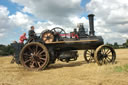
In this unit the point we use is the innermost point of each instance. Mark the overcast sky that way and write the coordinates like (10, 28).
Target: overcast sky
(16, 17)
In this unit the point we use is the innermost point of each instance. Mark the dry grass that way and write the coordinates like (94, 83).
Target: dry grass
(73, 73)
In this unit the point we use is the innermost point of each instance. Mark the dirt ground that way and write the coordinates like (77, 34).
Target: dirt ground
(72, 73)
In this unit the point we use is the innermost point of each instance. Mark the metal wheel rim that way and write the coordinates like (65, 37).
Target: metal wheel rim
(48, 37)
(105, 55)
(34, 57)
(89, 56)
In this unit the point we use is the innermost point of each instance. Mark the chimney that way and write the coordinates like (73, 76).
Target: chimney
(91, 24)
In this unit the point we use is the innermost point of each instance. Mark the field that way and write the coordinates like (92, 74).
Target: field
(72, 73)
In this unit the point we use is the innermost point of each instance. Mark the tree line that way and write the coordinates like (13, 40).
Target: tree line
(6, 50)
(117, 46)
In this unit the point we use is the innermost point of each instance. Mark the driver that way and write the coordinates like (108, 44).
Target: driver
(32, 34)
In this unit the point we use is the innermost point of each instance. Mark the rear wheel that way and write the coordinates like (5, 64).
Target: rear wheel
(89, 56)
(104, 54)
(34, 56)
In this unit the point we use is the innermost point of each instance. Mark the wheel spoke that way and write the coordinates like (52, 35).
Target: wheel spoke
(89, 51)
(50, 40)
(27, 61)
(30, 49)
(25, 54)
(60, 31)
(54, 30)
(92, 51)
(48, 34)
(88, 56)
(38, 53)
(38, 64)
(43, 59)
(36, 48)
(105, 61)
(51, 36)
(41, 52)
(45, 40)
(102, 50)
(108, 58)
(106, 51)
(109, 55)
(32, 65)
(109, 52)
(91, 59)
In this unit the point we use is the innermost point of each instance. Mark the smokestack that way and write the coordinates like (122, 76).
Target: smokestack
(91, 23)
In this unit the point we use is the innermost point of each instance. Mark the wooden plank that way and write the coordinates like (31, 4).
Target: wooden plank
(71, 41)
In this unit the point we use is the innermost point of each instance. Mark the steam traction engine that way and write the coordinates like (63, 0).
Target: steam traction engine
(54, 44)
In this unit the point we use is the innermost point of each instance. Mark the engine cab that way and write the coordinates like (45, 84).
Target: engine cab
(80, 33)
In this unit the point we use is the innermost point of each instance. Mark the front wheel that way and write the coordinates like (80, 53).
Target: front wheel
(89, 56)
(104, 54)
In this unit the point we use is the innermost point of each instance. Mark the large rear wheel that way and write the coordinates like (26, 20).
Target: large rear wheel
(34, 56)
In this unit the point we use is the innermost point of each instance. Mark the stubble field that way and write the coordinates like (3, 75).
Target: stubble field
(72, 73)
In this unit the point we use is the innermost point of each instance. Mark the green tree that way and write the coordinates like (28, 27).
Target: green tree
(116, 46)
(109, 44)
(6, 50)
(126, 44)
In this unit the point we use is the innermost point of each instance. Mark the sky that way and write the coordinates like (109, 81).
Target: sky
(110, 21)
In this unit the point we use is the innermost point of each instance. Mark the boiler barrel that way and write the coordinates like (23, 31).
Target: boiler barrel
(86, 43)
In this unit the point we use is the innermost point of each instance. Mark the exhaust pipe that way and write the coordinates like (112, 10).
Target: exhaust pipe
(91, 24)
